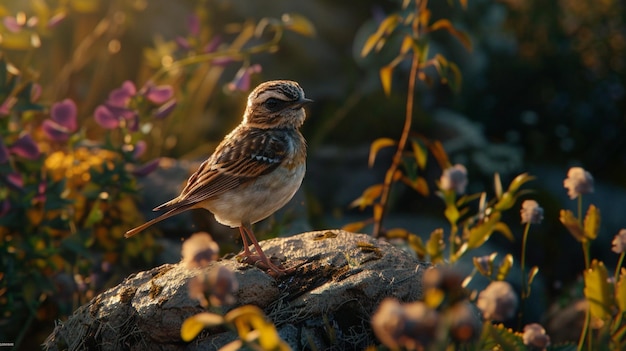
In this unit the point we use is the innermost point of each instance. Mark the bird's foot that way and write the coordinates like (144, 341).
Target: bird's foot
(264, 263)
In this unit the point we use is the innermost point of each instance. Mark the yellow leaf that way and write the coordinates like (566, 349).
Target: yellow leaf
(420, 154)
(407, 44)
(592, 222)
(505, 230)
(481, 232)
(232, 346)
(193, 325)
(519, 181)
(497, 185)
(506, 201)
(416, 243)
(419, 185)
(505, 267)
(463, 4)
(620, 291)
(452, 214)
(376, 146)
(354, 227)
(378, 212)
(385, 27)
(385, 78)
(367, 198)
(573, 225)
(445, 24)
(397, 233)
(435, 246)
(299, 24)
(531, 277)
(598, 290)
(436, 148)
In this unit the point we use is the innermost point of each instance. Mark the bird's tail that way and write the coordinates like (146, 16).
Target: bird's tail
(165, 215)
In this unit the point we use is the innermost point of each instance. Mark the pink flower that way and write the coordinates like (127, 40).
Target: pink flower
(578, 182)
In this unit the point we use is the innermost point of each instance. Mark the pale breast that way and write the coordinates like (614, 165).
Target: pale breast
(259, 199)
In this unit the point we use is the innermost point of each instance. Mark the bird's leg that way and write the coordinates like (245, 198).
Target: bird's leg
(259, 259)
(246, 249)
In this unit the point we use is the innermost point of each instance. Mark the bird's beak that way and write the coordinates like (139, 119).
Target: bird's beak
(301, 103)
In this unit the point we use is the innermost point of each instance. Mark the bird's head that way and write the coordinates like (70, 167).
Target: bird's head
(276, 104)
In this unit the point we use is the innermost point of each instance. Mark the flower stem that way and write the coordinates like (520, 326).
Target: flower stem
(408, 119)
(524, 294)
(620, 261)
(583, 332)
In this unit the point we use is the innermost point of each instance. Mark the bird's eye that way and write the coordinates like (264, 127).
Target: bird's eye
(273, 104)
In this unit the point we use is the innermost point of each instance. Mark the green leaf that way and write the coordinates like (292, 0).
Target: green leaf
(592, 222)
(498, 337)
(376, 146)
(573, 225)
(598, 290)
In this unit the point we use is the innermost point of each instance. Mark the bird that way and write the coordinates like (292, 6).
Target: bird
(254, 171)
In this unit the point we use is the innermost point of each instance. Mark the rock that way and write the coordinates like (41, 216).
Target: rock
(325, 303)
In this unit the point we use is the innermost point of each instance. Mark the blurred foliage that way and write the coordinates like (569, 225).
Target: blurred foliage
(75, 134)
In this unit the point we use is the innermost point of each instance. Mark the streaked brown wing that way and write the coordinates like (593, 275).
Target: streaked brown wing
(234, 162)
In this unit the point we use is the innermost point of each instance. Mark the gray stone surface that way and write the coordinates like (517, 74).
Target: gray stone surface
(337, 281)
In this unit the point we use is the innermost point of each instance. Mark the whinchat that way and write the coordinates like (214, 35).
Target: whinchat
(254, 171)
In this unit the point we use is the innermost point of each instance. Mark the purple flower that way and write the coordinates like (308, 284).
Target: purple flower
(165, 109)
(7, 105)
(213, 44)
(56, 19)
(147, 168)
(105, 118)
(15, 179)
(35, 92)
(139, 149)
(454, 178)
(183, 43)
(25, 147)
(121, 96)
(62, 121)
(5, 207)
(241, 81)
(157, 94)
(19, 22)
(193, 25)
